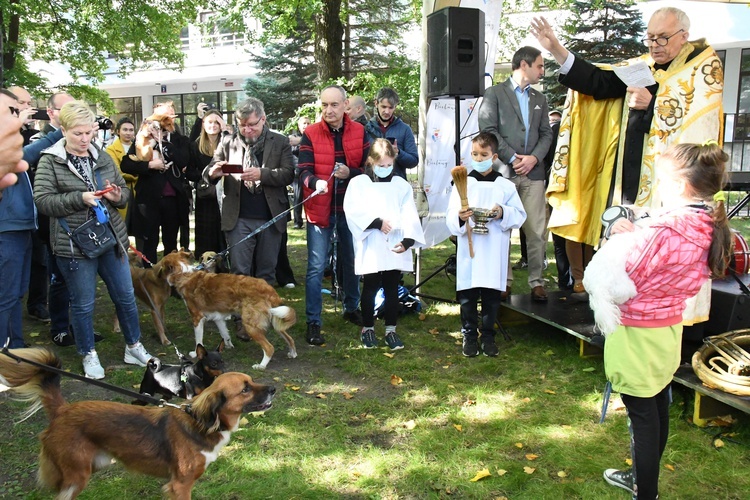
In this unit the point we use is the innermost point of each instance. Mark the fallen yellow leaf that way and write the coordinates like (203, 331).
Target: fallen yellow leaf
(354, 389)
(136, 386)
(519, 445)
(321, 396)
(276, 379)
(369, 416)
(629, 461)
(34, 334)
(309, 392)
(526, 400)
(388, 354)
(501, 472)
(549, 392)
(549, 353)
(481, 475)
(562, 473)
(395, 380)
(422, 316)
(669, 467)
(451, 386)
(295, 388)
(348, 396)
(529, 470)
(243, 421)
(458, 427)
(718, 443)
(446, 366)
(501, 498)
(531, 456)
(411, 424)
(434, 331)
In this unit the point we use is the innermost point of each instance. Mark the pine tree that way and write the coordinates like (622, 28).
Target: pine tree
(601, 32)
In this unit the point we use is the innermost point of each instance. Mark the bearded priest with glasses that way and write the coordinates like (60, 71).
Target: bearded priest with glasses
(611, 134)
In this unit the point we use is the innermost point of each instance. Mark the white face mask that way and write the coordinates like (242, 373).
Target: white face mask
(481, 166)
(382, 171)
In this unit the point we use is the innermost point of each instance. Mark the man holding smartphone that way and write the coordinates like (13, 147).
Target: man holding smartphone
(385, 124)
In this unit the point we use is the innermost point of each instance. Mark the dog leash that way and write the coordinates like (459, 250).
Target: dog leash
(140, 255)
(264, 226)
(148, 295)
(127, 392)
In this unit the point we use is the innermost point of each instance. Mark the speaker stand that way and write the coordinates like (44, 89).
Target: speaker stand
(457, 115)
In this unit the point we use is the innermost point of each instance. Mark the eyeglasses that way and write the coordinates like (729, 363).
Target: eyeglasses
(15, 111)
(661, 41)
(247, 125)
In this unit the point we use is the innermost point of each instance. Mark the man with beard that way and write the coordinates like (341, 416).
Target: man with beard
(385, 124)
(257, 194)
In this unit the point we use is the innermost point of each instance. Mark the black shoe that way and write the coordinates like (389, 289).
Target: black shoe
(354, 316)
(620, 478)
(40, 313)
(299, 226)
(489, 348)
(98, 337)
(597, 340)
(313, 334)
(63, 339)
(470, 347)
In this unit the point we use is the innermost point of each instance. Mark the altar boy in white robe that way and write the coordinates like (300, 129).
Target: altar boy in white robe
(382, 217)
(483, 275)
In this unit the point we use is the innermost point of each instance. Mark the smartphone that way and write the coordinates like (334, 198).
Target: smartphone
(392, 140)
(104, 191)
(231, 168)
(41, 114)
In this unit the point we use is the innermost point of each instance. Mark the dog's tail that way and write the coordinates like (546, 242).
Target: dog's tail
(282, 318)
(32, 383)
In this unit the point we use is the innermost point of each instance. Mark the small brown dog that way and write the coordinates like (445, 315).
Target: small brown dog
(216, 296)
(160, 122)
(167, 442)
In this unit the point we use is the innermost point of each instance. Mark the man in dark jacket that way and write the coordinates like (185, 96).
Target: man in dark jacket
(385, 124)
(257, 194)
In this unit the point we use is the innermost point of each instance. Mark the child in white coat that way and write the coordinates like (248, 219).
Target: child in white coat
(384, 223)
(485, 274)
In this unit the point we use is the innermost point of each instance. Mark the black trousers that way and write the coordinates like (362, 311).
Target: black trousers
(648, 420)
(169, 220)
(372, 282)
(468, 300)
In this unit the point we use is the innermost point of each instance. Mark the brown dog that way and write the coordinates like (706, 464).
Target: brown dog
(161, 122)
(164, 442)
(216, 296)
(152, 289)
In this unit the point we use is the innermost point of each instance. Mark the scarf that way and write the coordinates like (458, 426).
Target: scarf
(252, 151)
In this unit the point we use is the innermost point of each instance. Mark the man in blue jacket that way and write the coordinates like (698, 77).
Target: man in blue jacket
(17, 221)
(386, 125)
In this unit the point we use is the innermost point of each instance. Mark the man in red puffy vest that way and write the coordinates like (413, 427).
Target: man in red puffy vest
(331, 152)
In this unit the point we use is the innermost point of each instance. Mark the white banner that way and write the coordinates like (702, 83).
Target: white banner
(440, 136)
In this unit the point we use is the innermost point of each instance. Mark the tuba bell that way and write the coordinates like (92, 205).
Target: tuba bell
(723, 362)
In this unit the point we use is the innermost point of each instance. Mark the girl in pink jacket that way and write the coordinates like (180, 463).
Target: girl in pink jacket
(638, 283)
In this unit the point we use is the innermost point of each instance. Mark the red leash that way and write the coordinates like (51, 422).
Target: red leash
(140, 255)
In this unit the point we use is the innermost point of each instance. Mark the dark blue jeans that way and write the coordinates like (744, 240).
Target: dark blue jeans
(15, 268)
(80, 275)
(318, 241)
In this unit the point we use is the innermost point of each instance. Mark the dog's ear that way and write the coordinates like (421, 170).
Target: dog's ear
(220, 349)
(200, 351)
(206, 409)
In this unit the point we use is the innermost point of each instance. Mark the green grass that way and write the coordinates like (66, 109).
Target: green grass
(369, 438)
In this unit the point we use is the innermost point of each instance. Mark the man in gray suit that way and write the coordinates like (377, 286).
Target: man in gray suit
(518, 115)
(256, 194)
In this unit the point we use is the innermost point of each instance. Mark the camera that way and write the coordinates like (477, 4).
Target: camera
(104, 123)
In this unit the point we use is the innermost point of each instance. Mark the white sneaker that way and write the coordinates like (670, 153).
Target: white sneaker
(289, 285)
(136, 355)
(91, 366)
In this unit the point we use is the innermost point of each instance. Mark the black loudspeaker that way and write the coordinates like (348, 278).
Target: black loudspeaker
(730, 307)
(455, 52)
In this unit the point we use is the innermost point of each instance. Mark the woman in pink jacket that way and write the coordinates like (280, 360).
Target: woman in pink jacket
(638, 284)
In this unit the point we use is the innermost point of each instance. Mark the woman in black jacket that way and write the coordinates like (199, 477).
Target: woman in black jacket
(208, 234)
(161, 200)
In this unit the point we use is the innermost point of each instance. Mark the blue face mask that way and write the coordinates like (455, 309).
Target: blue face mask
(481, 166)
(382, 172)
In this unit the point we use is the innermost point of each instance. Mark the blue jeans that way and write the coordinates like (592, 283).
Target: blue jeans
(59, 299)
(15, 268)
(318, 242)
(80, 276)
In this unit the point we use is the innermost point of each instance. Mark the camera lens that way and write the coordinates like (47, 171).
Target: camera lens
(104, 123)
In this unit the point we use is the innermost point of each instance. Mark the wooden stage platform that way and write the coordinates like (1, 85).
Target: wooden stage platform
(576, 319)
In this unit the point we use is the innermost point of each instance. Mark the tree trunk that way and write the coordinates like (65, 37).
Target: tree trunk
(329, 33)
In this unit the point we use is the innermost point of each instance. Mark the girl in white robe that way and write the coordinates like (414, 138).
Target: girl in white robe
(383, 220)
(484, 275)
